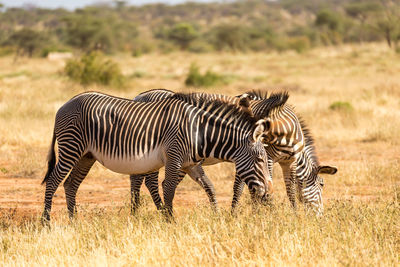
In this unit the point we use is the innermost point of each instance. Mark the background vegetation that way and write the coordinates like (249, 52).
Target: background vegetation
(251, 25)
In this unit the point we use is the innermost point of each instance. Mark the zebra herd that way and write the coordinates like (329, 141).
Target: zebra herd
(183, 132)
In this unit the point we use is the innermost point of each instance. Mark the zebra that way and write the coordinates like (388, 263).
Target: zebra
(300, 169)
(297, 158)
(138, 138)
(308, 184)
(284, 135)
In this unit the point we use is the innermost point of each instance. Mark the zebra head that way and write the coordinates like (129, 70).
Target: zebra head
(310, 188)
(284, 129)
(252, 168)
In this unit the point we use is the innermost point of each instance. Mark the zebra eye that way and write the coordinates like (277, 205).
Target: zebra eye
(321, 182)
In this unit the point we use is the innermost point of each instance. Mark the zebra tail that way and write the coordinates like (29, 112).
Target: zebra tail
(51, 159)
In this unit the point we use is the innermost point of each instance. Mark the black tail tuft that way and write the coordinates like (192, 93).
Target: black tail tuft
(51, 159)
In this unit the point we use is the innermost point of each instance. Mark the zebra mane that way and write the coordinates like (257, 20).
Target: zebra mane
(261, 95)
(309, 141)
(156, 89)
(210, 105)
(267, 101)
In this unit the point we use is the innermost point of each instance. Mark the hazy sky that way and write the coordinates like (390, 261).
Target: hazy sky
(72, 4)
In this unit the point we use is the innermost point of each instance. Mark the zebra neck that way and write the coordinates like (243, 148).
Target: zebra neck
(220, 138)
(305, 165)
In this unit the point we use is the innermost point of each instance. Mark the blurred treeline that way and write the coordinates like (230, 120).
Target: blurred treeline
(252, 25)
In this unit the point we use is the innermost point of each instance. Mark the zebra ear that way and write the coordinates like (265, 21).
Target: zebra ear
(261, 126)
(244, 100)
(244, 103)
(327, 170)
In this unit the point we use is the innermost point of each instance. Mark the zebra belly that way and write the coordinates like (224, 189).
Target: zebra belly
(145, 163)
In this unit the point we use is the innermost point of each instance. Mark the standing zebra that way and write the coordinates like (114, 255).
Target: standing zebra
(291, 145)
(137, 138)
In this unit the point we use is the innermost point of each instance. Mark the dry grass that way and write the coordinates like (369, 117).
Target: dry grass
(351, 233)
(361, 222)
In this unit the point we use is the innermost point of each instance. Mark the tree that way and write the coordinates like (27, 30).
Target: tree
(233, 37)
(330, 24)
(88, 33)
(327, 18)
(182, 34)
(27, 41)
(389, 22)
(362, 11)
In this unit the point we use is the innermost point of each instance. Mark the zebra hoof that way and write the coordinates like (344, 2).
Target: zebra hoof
(45, 220)
(168, 215)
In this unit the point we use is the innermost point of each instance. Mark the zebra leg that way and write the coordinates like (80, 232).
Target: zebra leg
(289, 174)
(151, 182)
(136, 181)
(171, 181)
(198, 175)
(237, 192)
(269, 198)
(75, 179)
(65, 163)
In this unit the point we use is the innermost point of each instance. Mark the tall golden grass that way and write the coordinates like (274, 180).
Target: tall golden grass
(361, 224)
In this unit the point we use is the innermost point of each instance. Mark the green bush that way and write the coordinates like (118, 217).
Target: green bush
(195, 78)
(299, 44)
(94, 68)
(341, 106)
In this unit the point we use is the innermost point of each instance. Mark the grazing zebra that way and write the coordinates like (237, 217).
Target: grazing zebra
(137, 138)
(300, 169)
(295, 153)
(308, 184)
(284, 135)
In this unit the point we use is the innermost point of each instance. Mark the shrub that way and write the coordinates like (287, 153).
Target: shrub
(6, 50)
(299, 44)
(341, 106)
(195, 78)
(230, 37)
(94, 68)
(200, 47)
(141, 47)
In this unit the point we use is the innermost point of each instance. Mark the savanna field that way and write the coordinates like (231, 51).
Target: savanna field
(349, 97)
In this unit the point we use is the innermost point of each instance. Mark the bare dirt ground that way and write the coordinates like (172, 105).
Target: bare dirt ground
(23, 196)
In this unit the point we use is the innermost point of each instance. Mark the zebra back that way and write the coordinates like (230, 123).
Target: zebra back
(284, 132)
